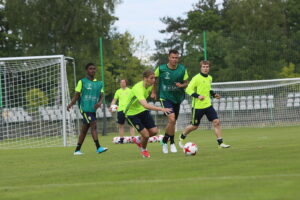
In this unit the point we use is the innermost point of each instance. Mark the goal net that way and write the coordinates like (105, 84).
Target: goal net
(33, 96)
(262, 103)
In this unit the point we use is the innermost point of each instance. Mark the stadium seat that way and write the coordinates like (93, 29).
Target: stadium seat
(229, 103)
(270, 101)
(290, 103)
(222, 105)
(297, 102)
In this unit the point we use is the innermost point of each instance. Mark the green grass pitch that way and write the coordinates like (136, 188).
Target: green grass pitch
(262, 164)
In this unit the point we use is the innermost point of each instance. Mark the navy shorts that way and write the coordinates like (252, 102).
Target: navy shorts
(210, 113)
(141, 121)
(174, 106)
(88, 117)
(121, 117)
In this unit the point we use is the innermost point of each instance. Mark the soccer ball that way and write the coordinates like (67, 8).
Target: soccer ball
(190, 149)
(116, 140)
(114, 108)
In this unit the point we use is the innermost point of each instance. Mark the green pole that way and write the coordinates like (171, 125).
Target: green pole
(0, 92)
(102, 77)
(204, 45)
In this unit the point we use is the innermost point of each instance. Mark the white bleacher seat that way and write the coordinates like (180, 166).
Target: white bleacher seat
(222, 105)
(270, 101)
(157, 104)
(152, 112)
(290, 95)
(263, 104)
(243, 105)
(256, 104)
(297, 102)
(185, 102)
(297, 95)
(289, 103)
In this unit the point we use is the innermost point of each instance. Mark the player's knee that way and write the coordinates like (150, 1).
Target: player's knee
(172, 120)
(194, 127)
(216, 122)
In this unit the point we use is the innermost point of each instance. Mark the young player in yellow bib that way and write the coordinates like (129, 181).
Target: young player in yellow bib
(89, 93)
(172, 78)
(121, 96)
(200, 90)
(137, 111)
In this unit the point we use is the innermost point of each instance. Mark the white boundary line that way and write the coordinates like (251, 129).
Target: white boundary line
(150, 181)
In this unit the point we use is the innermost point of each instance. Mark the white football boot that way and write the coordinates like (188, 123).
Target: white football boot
(224, 145)
(165, 148)
(173, 148)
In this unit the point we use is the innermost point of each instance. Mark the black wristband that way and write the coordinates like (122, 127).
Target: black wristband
(195, 95)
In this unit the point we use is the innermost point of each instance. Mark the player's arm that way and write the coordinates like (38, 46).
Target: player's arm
(185, 81)
(153, 92)
(148, 106)
(214, 94)
(76, 95)
(98, 105)
(191, 88)
(73, 101)
(114, 101)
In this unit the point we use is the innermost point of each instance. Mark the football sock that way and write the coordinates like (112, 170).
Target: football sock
(166, 138)
(78, 147)
(172, 139)
(220, 141)
(97, 143)
(182, 136)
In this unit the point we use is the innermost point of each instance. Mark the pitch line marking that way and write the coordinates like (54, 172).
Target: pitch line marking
(148, 181)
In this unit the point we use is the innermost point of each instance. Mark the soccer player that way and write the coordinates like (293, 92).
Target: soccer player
(138, 114)
(89, 94)
(172, 78)
(200, 90)
(121, 96)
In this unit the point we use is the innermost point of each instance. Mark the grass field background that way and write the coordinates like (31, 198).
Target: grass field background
(262, 164)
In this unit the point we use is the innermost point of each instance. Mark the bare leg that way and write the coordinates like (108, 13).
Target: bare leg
(170, 128)
(144, 138)
(121, 130)
(83, 132)
(153, 131)
(189, 129)
(217, 128)
(93, 125)
(131, 131)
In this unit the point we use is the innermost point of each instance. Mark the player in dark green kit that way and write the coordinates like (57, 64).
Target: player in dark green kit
(200, 90)
(172, 78)
(89, 93)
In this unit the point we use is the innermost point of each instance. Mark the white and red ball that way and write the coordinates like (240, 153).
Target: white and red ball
(190, 149)
(114, 108)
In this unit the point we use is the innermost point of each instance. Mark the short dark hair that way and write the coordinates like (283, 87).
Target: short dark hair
(173, 51)
(147, 73)
(88, 65)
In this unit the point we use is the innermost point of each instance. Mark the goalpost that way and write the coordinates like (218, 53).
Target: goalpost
(260, 103)
(34, 93)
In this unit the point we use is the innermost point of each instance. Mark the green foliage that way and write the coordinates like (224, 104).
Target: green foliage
(35, 98)
(246, 40)
(289, 71)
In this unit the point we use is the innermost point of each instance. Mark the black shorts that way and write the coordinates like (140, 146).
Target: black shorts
(210, 113)
(174, 106)
(141, 121)
(88, 117)
(121, 117)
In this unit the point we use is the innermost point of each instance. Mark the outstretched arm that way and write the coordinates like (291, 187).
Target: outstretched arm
(148, 106)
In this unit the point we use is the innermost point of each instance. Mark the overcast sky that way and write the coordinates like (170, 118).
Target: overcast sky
(142, 17)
